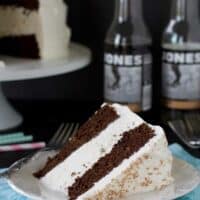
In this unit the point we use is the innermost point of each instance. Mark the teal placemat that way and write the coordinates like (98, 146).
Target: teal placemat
(6, 193)
(179, 152)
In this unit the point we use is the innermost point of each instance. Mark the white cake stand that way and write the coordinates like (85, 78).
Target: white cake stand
(24, 69)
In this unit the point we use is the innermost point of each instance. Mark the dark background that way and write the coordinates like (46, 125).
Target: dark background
(89, 20)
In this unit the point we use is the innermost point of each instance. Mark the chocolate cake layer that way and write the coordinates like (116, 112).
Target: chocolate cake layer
(19, 46)
(28, 4)
(130, 143)
(89, 130)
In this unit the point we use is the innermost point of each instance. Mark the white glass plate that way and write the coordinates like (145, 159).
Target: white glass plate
(186, 179)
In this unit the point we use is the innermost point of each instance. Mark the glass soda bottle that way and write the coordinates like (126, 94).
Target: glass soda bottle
(128, 59)
(181, 60)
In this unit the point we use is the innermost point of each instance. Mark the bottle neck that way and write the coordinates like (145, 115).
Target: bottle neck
(128, 10)
(192, 10)
(186, 10)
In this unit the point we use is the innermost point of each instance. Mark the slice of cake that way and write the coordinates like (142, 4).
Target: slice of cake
(114, 154)
(34, 28)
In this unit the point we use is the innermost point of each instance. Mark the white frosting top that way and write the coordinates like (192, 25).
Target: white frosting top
(88, 154)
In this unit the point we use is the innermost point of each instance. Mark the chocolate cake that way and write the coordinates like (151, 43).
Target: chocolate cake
(114, 154)
(34, 28)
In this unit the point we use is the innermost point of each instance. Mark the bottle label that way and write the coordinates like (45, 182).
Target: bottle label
(181, 78)
(127, 78)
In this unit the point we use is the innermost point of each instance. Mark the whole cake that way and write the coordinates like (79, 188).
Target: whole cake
(34, 28)
(114, 154)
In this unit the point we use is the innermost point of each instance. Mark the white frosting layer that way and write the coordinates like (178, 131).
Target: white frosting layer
(48, 24)
(87, 155)
(55, 33)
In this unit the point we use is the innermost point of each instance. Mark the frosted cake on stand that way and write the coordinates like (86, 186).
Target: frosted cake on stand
(34, 28)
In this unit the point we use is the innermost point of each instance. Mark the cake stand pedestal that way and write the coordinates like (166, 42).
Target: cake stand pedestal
(24, 69)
